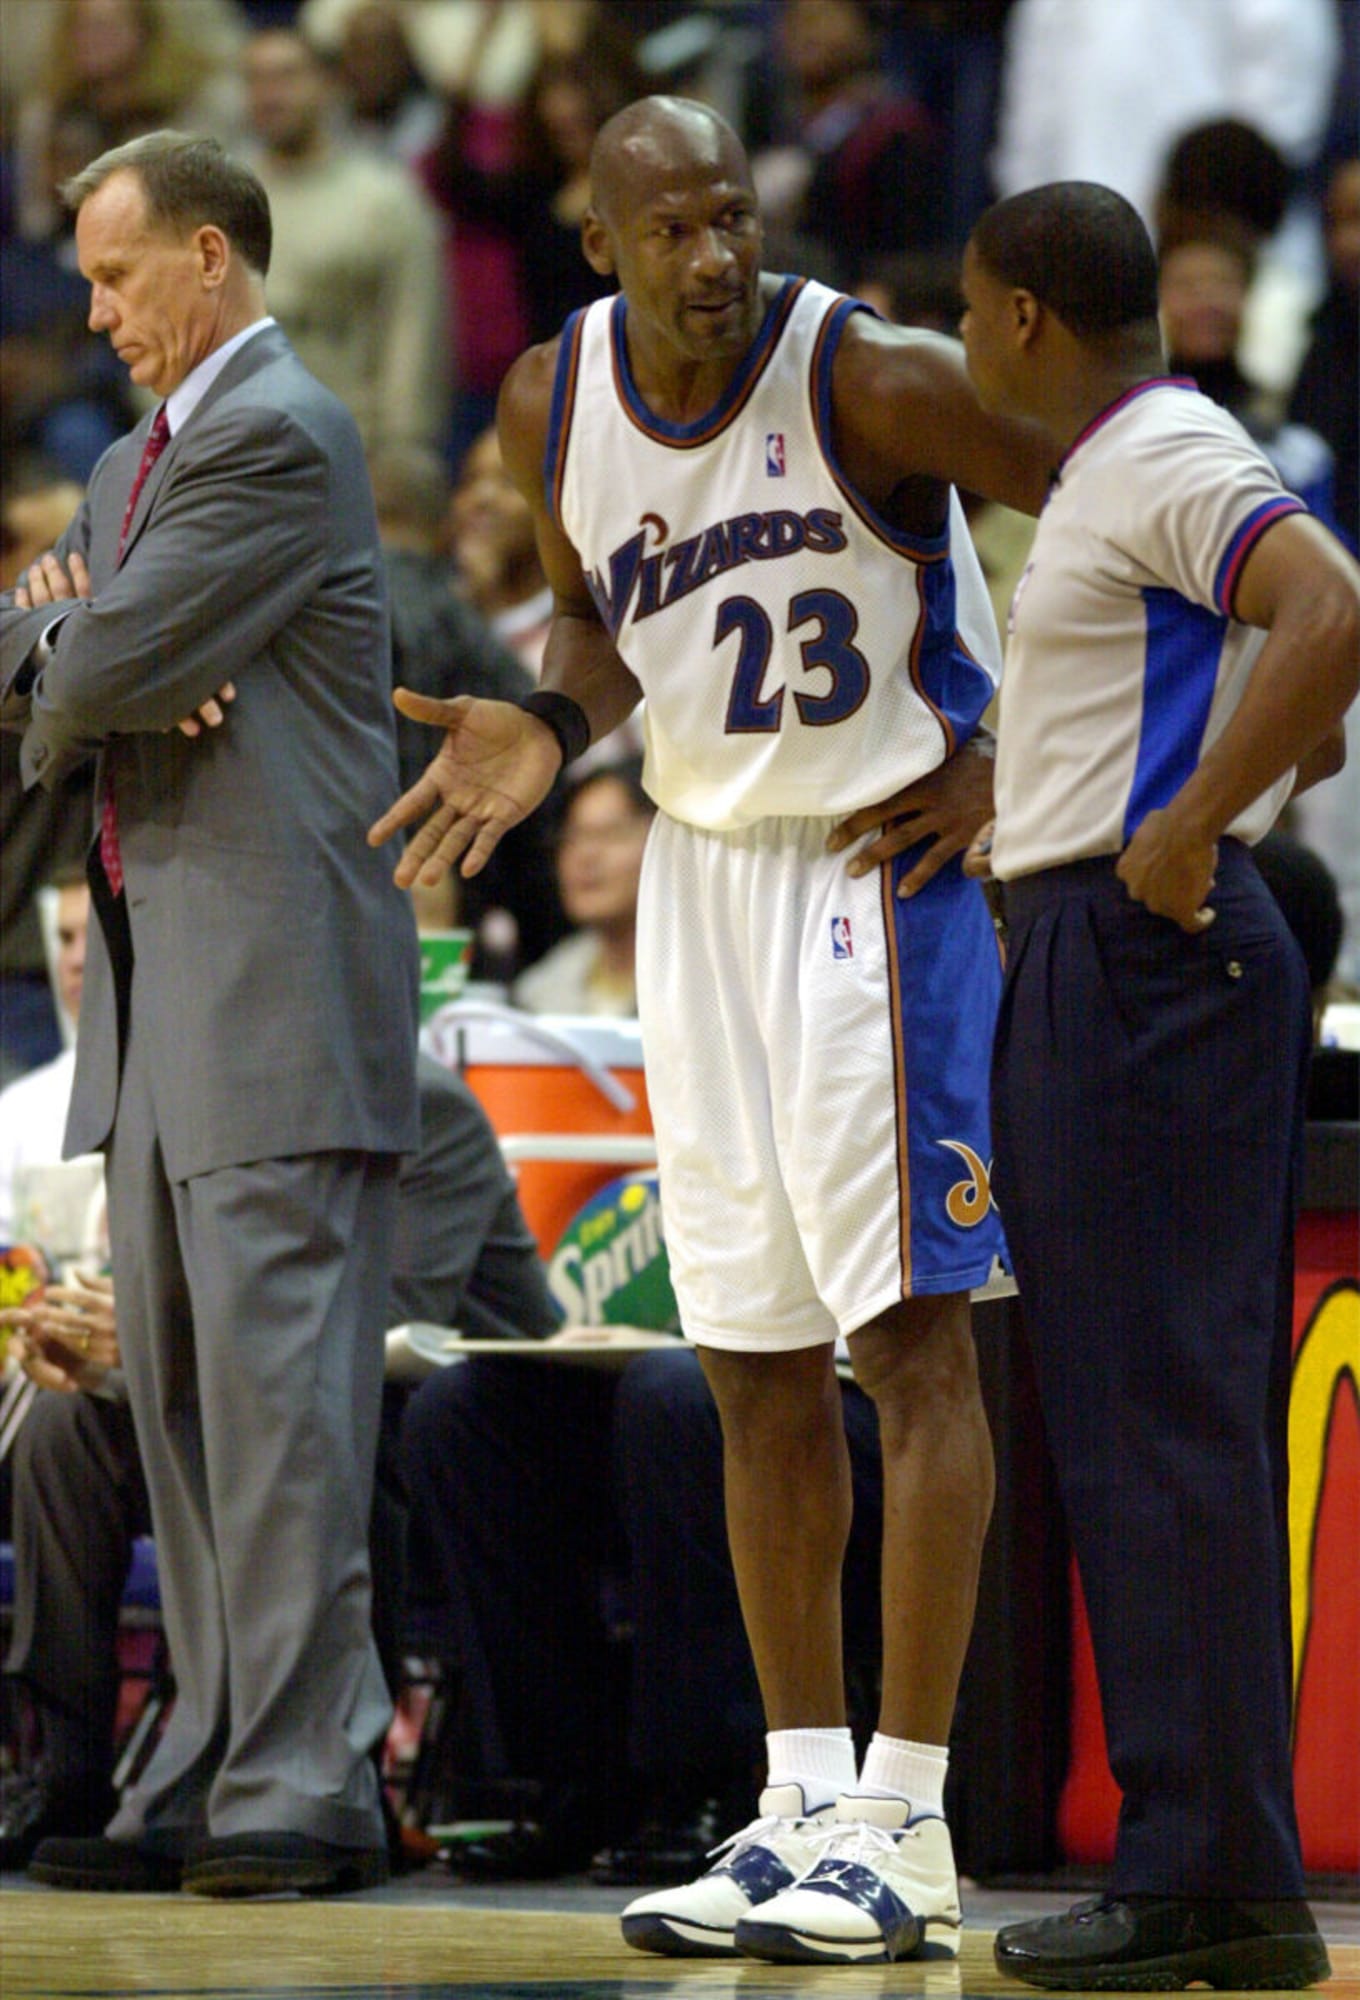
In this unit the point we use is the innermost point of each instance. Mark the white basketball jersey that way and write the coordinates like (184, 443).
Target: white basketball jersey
(797, 654)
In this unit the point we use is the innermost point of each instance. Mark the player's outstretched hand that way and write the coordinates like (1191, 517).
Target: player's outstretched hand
(945, 808)
(496, 763)
(1170, 874)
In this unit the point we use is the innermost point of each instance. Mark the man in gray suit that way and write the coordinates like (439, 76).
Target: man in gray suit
(212, 627)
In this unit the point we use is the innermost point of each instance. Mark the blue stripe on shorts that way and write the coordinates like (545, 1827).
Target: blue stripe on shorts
(947, 983)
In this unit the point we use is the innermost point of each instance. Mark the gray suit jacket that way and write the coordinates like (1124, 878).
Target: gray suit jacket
(270, 959)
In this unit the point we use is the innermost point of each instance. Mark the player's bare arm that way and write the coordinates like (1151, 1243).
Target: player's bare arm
(497, 762)
(1324, 761)
(580, 660)
(1302, 586)
(908, 423)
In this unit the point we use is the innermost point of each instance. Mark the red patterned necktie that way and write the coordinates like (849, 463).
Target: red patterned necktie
(156, 440)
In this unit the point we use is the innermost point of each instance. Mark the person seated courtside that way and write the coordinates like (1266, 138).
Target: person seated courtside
(599, 864)
(463, 1256)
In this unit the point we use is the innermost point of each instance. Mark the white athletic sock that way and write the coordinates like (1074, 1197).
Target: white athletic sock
(895, 1769)
(822, 1761)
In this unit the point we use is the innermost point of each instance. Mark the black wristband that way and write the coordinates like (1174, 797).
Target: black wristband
(566, 718)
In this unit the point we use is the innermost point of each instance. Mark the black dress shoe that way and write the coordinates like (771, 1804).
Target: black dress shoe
(667, 1848)
(278, 1864)
(127, 1867)
(35, 1808)
(1141, 1944)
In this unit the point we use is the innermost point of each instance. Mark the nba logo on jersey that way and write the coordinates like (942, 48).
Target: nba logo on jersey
(841, 945)
(774, 454)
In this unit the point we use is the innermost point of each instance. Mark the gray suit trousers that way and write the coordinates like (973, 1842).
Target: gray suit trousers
(251, 1305)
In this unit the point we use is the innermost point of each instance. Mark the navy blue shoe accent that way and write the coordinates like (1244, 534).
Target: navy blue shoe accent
(760, 1872)
(654, 1931)
(850, 1882)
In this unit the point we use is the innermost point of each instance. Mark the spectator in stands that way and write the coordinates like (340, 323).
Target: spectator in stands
(134, 66)
(33, 1107)
(388, 103)
(79, 1502)
(355, 278)
(463, 1256)
(1305, 889)
(912, 288)
(599, 863)
(953, 57)
(1228, 169)
(1204, 274)
(441, 640)
(74, 1795)
(436, 630)
(540, 195)
(1327, 392)
(865, 171)
(590, 1745)
(485, 53)
(1102, 93)
(496, 554)
(40, 831)
(62, 392)
(1327, 396)
(493, 545)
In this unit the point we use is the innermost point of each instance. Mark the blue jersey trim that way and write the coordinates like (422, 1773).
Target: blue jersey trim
(733, 396)
(957, 687)
(1183, 648)
(559, 414)
(1245, 540)
(919, 548)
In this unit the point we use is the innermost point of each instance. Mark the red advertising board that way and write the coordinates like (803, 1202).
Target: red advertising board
(1324, 1526)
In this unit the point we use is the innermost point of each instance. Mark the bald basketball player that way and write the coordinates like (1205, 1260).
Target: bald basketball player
(742, 489)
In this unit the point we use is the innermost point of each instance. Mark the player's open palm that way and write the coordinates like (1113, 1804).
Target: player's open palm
(495, 764)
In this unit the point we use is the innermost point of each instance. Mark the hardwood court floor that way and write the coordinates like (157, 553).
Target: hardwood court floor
(423, 1943)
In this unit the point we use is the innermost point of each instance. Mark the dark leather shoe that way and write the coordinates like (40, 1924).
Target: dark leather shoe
(1163, 1943)
(278, 1864)
(36, 1809)
(127, 1867)
(665, 1849)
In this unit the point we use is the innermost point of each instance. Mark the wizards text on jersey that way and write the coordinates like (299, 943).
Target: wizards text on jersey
(668, 574)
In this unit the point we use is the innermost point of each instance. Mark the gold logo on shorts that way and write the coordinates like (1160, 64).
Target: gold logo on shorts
(969, 1201)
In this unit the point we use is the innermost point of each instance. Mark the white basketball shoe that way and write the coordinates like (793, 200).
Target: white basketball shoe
(881, 1888)
(698, 1919)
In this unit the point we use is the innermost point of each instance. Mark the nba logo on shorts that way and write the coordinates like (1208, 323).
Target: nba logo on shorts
(841, 945)
(774, 454)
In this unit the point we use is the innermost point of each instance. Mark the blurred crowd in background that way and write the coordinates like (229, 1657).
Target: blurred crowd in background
(427, 167)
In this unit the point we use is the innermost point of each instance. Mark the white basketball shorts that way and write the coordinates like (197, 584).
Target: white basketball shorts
(817, 1055)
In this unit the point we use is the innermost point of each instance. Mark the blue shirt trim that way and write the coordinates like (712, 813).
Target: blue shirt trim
(1183, 649)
